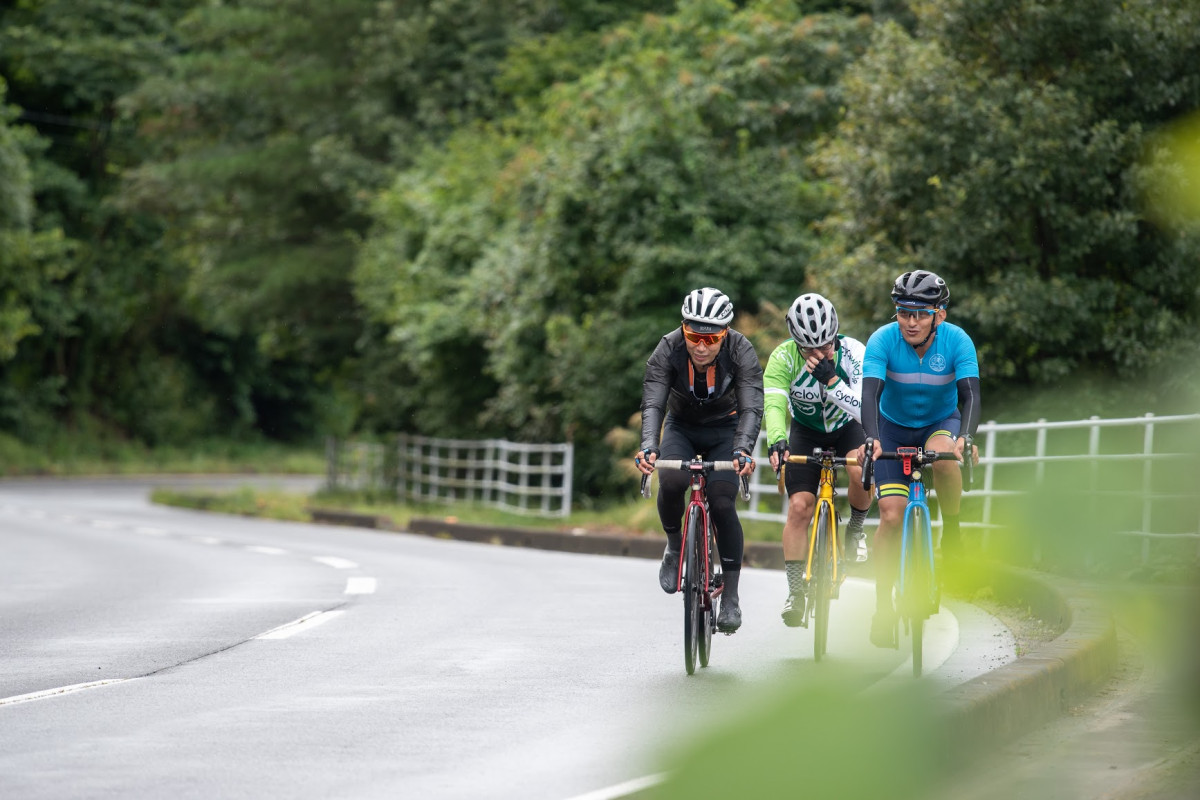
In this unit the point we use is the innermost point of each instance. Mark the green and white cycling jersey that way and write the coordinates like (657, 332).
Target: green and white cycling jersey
(789, 387)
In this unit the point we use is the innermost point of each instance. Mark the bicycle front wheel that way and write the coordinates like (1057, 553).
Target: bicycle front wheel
(918, 591)
(692, 587)
(708, 621)
(821, 587)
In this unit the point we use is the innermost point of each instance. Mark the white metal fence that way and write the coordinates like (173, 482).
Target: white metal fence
(1144, 469)
(1138, 475)
(522, 478)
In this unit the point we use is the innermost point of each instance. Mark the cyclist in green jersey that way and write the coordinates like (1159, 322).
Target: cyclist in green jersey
(815, 378)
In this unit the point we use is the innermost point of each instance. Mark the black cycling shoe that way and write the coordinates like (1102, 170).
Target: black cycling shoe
(884, 631)
(730, 618)
(668, 571)
(793, 611)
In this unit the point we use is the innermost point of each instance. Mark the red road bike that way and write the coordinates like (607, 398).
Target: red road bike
(699, 578)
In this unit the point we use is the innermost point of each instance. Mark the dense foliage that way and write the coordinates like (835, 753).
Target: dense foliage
(285, 218)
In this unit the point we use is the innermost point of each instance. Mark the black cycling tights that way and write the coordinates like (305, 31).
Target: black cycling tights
(673, 489)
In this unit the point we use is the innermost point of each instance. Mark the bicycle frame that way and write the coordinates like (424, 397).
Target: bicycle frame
(825, 497)
(698, 499)
(917, 501)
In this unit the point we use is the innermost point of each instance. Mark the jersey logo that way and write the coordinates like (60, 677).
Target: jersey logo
(805, 394)
(937, 363)
(807, 410)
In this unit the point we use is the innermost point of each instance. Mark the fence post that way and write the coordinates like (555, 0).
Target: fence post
(331, 455)
(1147, 482)
(1039, 477)
(988, 481)
(568, 478)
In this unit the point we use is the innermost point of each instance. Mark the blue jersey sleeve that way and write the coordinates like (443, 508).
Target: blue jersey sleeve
(876, 356)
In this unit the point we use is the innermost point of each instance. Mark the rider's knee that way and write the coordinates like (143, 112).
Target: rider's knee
(891, 510)
(801, 503)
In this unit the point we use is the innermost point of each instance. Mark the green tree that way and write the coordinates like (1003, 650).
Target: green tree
(78, 268)
(555, 248)
(1000, 146)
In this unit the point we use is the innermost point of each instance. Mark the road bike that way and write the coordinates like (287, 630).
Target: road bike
(918, 591)
(699, 575)
(826, 553)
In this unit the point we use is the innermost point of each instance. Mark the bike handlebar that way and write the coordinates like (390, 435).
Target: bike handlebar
(922, 457)
(837, 461)
(701, 466)
(706, 466)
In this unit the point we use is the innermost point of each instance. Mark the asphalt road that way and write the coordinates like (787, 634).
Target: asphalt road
(156, 652)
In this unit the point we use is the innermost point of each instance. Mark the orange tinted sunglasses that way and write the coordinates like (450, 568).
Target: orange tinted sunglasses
(703, 338)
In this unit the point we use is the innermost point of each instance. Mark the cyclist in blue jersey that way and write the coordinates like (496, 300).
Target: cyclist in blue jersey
(920, 389)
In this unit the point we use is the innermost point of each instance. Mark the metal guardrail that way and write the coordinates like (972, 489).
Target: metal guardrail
(522, 478)
(1016, 458)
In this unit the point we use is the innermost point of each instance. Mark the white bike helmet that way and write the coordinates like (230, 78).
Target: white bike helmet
(707, 310)
(812, 321)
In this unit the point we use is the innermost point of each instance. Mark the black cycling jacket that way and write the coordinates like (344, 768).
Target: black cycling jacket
(738, 392)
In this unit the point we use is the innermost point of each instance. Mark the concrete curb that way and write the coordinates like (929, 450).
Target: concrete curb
(1001, 705)
(982, 713)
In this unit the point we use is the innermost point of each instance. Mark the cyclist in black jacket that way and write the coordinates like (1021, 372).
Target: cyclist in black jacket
(706, 381)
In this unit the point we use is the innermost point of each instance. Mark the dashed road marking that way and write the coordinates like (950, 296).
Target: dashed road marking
(622, 789)
(335, 562)
(59, 691)
(307, 622)
(266, 551)
(360, 585)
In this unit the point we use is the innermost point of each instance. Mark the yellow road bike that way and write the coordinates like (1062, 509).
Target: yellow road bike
(826, 552)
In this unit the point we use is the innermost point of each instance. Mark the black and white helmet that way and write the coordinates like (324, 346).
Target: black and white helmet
(707, 310)
(812, 321)
(920, 288)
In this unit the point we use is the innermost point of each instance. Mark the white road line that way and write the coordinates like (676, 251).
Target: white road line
(307, 622)
(622, 789)
(206, 539)
(150, 531)
(360, 585)
(335, 562)
(266, 551)
(37, 513)
(61, 690)
(103, 523)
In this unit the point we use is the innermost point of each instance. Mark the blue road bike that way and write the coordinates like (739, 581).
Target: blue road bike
(918, 590)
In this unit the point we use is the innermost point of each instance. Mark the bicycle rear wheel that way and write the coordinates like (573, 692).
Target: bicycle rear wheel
(692, 602)
(707, 618)
(821, 586)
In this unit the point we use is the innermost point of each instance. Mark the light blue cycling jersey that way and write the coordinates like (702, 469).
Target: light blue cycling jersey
(919, 391)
